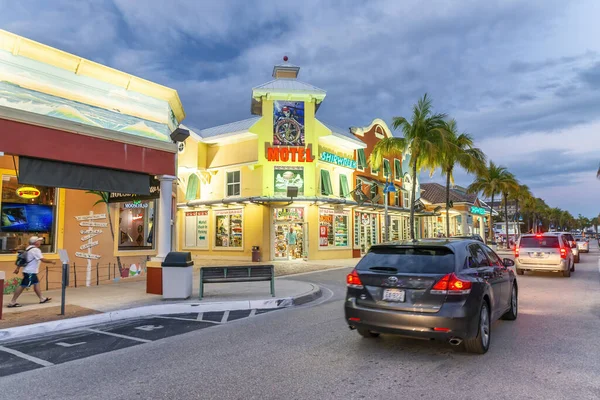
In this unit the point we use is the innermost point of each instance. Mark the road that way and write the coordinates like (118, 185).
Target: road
(552, 351)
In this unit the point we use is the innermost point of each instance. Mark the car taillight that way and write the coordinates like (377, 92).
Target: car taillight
(353, 281)
(451, 284)
(563, 252)
(516, 252)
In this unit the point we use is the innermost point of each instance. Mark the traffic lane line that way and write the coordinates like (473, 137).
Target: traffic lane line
(156, 328)
(12, 364)
(64, 348)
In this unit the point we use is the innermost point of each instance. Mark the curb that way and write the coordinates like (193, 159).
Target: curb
(188, 306)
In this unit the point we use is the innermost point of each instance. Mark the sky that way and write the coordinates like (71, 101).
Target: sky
(522, 77)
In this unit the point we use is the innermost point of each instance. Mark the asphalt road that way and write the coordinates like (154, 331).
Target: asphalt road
(552, 351)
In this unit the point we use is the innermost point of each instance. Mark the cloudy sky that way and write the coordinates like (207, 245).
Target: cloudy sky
(523, 77)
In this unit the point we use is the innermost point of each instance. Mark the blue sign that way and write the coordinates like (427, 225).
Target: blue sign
(341, 161)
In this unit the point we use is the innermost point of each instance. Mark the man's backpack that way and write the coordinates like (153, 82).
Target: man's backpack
(22, 258)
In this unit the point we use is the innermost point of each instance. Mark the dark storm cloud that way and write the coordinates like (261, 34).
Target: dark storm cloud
(591, 76)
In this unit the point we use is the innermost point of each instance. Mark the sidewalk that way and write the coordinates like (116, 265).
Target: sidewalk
(131, 292)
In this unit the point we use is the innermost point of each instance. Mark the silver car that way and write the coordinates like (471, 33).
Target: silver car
(583, 245)
(571, 240)
(548, 252)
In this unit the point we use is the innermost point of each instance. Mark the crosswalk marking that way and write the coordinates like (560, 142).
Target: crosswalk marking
(225, 317)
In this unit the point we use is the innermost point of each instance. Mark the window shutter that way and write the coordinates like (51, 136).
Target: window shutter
(326, 188)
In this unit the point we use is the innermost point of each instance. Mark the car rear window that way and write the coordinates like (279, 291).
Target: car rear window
(412, 260)
(543, 242)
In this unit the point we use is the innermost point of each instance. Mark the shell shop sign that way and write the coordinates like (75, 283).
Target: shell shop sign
(289, 153)
(27, 192)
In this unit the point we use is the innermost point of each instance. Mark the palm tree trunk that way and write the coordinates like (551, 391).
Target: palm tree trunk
(490, 223)
(412, 198)
(517, 224)
(506, 217)
(448, 203)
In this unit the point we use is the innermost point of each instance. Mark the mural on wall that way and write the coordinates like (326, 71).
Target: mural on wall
(43, 89)
(288, 123)
(288, 176)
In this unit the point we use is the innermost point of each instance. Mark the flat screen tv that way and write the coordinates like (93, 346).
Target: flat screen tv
(17, 217)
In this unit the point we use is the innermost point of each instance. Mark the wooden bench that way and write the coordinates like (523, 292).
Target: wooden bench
(247, 273)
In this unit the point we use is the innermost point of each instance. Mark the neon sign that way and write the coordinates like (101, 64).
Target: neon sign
(289, 153)
(337, 160)
(27, 192)
(478, 210)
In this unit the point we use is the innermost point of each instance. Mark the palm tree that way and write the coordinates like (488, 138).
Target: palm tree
(104, 196)
(424, 136)
(508, 184)
(461, 152)
(492, 181)
(520, 195)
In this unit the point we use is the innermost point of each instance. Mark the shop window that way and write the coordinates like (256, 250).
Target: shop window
(397, 199)
(136, 225)
(374, 171)
(387, 171)
(333, 229)
(191, 192)
(344, 189)
(196, 229)
(229, 229)
(397, 170)
(326, 188)
(361, 160)
(233, 183)
(26, 211)
(407, 188)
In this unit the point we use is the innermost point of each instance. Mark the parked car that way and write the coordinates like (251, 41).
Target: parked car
(583, 244)
(572, 244)
(544, 252)
(450, 290)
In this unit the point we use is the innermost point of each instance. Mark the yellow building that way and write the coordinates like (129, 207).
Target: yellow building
(280, 181)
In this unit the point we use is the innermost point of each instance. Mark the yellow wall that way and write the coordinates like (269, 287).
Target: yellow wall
(230, 154)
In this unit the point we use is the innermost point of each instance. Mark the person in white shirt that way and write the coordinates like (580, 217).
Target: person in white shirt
(34, 257)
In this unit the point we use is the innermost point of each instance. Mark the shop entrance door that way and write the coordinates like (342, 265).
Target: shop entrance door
(289, 243)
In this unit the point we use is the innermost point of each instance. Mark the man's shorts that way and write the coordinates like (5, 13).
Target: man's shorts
(29, 279)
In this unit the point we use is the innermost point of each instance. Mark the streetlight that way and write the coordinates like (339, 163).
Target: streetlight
(389, 187)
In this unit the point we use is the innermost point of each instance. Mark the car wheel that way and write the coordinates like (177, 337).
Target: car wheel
(481, 343)
(520, 272)
(511, 314)
(567, 273)
(367, 333)
(573, 267)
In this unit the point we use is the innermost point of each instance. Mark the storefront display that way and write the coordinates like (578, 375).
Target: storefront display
(26, 211)
(229, 229)
(333, 228)
(136, 221)
(196, 229)
(288, 233)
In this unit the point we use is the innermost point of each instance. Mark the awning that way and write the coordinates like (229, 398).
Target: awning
(35, 171)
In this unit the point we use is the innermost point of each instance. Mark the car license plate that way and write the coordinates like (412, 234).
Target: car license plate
(393, 295)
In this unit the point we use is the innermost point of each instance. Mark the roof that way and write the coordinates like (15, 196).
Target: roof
(342, 133)
(290, 85)
(21, 46)
(228, 129)
(436, 194)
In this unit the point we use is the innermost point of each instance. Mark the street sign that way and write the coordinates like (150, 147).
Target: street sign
(88, 245)
(88, 256)
(90, 231)
(64, 257)
(95, 224)
(89, 217)
(88, 237)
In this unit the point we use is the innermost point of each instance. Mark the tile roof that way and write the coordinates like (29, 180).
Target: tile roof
(291, 85)
(342, 133)
(436, 193)
(230, 128)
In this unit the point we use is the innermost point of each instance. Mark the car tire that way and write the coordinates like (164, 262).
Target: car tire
(567, 273)
(573, 267)
(520, 272)
(367, 333)
(480, 344)
(512, 313)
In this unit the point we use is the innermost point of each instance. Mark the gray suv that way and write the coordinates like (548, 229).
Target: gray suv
(549, 252)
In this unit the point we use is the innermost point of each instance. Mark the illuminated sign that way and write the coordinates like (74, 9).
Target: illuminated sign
(478, 210)
(27, 192)
(289, 153)
(337, 160)
(135, 204)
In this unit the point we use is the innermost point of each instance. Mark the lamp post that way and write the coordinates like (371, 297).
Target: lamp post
(389, 187)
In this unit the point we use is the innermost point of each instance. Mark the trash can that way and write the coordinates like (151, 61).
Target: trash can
(255, 254)
(177, 274)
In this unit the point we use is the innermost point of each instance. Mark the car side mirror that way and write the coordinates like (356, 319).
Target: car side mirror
(508, 262)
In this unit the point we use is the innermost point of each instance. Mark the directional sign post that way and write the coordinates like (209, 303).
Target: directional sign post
(90, 221)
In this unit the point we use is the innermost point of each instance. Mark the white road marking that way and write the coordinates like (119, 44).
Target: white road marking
(183, 319)
(149, 328)
(314, 272)
(252, 313)
(200, 316)
(225, 317)
(27, 357)
(63, 344)
(119, 336)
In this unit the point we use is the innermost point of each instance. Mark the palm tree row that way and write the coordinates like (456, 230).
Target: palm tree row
(434, 142)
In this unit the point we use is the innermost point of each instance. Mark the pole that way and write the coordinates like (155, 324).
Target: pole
(387, 222)
(65, 283)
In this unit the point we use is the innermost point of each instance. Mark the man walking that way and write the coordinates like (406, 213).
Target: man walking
(33, 258)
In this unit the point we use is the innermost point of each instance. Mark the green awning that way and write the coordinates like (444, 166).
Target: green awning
(362, 159)
(326, 188)
(344, 189)
(398, 170)
(386, 168)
